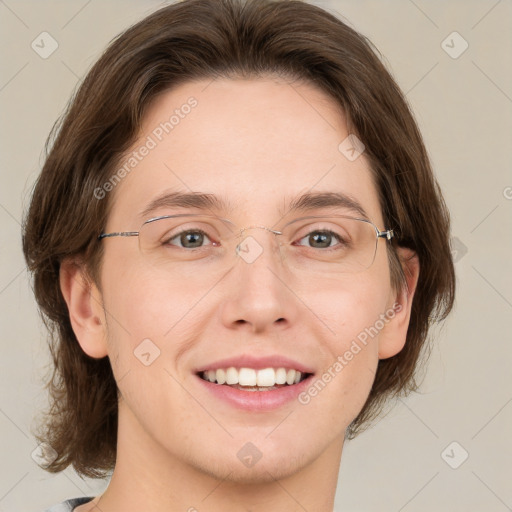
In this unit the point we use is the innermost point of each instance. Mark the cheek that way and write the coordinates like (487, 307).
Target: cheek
(342, 308)
(348, 315)
(151, 323)
(140, 310)
(143, 302)
(144, 315)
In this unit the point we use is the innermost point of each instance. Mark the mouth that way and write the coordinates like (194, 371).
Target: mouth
(254, 384)
(254, 380)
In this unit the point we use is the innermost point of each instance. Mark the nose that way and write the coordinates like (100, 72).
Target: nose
(260, 296)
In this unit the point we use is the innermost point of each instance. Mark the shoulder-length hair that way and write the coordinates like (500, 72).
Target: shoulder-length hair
(206, 39)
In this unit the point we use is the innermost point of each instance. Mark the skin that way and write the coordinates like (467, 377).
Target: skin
(177, 446)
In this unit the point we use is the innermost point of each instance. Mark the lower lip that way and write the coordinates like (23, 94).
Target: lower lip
(256, 400)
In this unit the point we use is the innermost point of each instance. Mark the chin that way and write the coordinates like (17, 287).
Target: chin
(263, 471)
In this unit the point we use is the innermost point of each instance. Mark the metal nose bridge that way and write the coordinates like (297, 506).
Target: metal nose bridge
(260, 227)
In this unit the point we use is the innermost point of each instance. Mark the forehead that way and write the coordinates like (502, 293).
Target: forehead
(255, 144)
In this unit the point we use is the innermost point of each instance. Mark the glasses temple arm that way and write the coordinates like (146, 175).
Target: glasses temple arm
(121, 233)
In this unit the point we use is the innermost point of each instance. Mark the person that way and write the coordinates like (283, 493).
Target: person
(239, 245)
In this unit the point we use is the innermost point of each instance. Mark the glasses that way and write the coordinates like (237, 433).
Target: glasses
(191, 244)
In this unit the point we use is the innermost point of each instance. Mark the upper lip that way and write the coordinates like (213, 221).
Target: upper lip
(258, 363)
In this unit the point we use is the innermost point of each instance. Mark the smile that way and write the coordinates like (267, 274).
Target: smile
(252, 379)
(254, 390)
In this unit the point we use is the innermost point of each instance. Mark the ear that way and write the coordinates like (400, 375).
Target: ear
(85, 308)
(392, 338)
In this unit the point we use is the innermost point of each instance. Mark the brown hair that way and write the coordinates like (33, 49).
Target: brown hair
(196, 39)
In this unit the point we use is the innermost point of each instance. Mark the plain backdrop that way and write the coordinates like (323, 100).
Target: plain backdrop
(447, 448)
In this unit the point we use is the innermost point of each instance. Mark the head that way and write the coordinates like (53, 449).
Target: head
(251, 102)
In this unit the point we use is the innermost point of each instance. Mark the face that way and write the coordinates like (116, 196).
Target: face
(256, 144)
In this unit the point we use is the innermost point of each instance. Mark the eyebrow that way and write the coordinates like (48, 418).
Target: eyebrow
(216, 204)
(196, 200)
(317, 200)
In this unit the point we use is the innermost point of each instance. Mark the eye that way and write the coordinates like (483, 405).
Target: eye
(323, 239)
(188, 239)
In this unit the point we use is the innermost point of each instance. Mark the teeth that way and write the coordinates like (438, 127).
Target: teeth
(220, 376)
(231, 376)
(267, 377)
(247, 377)
(280, 376)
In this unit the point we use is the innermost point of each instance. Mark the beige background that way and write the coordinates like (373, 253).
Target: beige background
(464, 108)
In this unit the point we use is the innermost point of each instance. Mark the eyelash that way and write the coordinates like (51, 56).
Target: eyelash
(203, 233)
(326, 232)
(185, 231)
